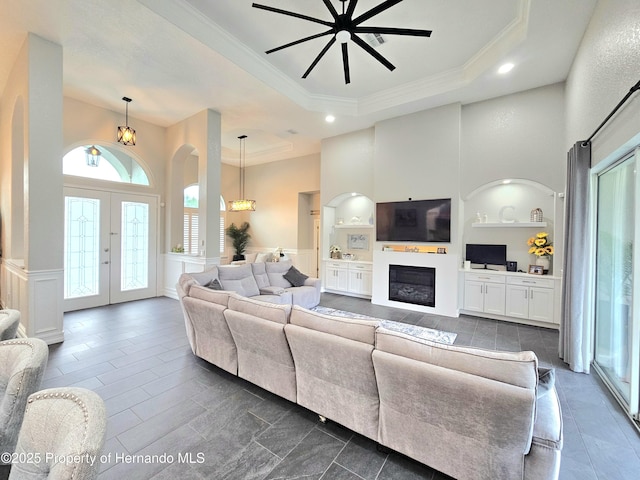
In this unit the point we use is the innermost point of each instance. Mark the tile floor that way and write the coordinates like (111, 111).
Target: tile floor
(172, 415)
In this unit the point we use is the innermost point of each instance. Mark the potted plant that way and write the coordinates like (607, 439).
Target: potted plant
(240, 239)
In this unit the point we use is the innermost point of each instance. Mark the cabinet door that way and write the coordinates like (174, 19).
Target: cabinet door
(494, 298)
(517, 301)
(474, 296)
(342, 279)
(331, 278)
(541, 304)
(367, 282)
(360, 282)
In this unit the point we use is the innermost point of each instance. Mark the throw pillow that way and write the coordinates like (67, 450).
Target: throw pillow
(295, 277)
(214, 284)
(546, 381)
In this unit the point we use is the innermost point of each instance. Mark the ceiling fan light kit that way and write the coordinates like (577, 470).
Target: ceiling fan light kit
(345, 29)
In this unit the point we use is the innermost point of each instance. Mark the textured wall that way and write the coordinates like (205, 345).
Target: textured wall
(606, 67)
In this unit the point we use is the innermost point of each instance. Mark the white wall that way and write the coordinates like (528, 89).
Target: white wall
(606, 67)
(514, 136)
(448, 152)
(275, 188)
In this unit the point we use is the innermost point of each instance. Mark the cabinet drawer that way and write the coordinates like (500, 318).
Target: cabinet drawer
(335, 265)
(484, 277)
(531, 281)
(360, 266)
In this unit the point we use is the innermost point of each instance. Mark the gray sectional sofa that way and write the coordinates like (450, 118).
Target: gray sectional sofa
(264, 281)
(469, 413)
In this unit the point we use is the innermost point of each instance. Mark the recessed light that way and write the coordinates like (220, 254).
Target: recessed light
(506, 68)
(330, 119)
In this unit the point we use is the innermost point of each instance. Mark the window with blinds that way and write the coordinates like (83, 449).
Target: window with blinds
(190, 235)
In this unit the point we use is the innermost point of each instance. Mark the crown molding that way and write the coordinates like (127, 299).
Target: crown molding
(194, 23)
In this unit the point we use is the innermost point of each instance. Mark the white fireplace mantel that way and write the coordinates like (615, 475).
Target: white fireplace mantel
(446, 266)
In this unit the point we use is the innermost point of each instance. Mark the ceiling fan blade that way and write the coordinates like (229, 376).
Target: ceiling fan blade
(292, 14)
(331, 8)
(320, 55)
(351, 8)
(357, 40)
(393, 31)
(345, 64)
(302, 40)
(375, 11)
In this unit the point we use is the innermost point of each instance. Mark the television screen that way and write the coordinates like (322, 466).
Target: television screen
(414, 221)
(484, 256)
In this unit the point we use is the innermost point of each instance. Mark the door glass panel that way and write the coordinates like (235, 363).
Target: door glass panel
(614, 277)
(135, 246)
(81, 253)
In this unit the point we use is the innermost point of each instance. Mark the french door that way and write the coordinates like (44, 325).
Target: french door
(617, 320)
(110, 247)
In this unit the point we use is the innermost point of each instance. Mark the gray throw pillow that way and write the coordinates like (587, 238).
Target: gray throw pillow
(214, 284)
(295, 277)
(546, 381)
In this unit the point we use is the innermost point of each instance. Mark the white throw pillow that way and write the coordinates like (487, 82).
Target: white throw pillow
(263, 257)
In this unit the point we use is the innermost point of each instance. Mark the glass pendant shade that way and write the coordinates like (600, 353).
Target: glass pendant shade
(126, 134)
(92, 155)
(243, 204)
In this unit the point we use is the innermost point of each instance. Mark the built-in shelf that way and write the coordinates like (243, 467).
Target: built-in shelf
(510, 225)
(354, 225)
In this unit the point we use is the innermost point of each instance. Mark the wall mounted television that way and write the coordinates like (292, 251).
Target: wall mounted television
(414, 221)
(486, 256)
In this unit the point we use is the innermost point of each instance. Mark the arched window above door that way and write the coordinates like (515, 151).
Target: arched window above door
(108, 164)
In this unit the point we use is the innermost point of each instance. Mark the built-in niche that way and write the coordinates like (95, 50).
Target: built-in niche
(502, 212)
(348, 223)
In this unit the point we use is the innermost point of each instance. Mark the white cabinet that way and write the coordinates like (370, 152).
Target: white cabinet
(343, 276)
(530, 298)
(484, 293)
(336, 276)
(512, 296)
(360, 278)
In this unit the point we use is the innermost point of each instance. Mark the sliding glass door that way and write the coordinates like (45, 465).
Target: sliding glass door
(617, 326)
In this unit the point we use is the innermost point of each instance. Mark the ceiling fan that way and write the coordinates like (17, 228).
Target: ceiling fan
(344, 28)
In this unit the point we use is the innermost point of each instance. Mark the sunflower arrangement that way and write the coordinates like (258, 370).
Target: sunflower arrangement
(540, 245)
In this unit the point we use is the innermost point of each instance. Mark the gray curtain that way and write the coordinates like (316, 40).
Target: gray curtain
(575, 326)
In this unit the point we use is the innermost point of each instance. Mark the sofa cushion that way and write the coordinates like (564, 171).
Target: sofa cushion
(206, 276)
(275, 272)
(260, 274)
(266, 311)
(295, 277)
(238, 278)
(263, 257)
(250, 257)
(351, 328)
(186, 280)
(214, 284)
(220, 297)
(516, 368)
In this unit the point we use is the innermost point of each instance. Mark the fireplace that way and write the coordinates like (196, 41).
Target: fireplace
(411, 284)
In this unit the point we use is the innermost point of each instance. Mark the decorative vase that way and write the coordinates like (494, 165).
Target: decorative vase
(545, 262)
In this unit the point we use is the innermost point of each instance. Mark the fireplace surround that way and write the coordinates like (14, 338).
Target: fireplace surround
(446, 281)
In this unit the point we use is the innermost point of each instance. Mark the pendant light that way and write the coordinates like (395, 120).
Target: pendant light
(242, 205)
(92, 156)
(126, 134)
